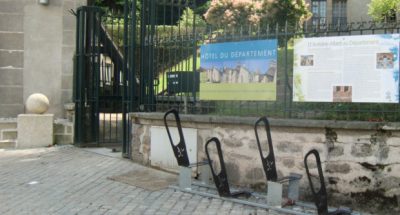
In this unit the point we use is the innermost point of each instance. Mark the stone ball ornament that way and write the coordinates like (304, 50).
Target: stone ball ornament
(37, 103)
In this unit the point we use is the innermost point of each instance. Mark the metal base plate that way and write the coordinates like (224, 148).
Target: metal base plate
(257, 199)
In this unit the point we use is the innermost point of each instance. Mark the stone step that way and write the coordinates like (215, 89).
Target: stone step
(63, 139)
(8, 124)
(9, 134)
(8, 144)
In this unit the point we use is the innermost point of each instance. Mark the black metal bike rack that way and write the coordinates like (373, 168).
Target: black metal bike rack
(181, 155)
(268, 162)
(269, 166)
(221, 179)
(321, 197)
(180, 148)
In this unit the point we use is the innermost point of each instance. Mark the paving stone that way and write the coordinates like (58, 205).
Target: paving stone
(69, 180)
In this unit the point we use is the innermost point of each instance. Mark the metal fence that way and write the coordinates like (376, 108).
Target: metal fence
(162, 46)
(98, 79)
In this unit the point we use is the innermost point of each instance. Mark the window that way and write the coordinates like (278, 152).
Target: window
(339, 13)
(319, 12)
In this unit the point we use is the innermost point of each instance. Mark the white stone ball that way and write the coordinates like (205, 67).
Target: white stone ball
(37, 103)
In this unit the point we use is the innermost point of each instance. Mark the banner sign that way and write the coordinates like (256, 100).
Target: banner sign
(239, 70)
(347, 69)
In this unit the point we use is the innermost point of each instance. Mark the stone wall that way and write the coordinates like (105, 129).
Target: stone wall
(360, 159)
(63, 132)
(37, 44)
(357, 11)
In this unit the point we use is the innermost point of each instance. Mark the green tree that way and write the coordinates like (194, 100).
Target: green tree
(243, 13)
(187, 19)
(384, 10)
(282, 11)
(116, 5)
(202, 6)
(233, 13)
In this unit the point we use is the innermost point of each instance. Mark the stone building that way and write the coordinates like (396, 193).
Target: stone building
(338, 11)
(244, 75)
(232, 76)
(213, 75)
(37, 44)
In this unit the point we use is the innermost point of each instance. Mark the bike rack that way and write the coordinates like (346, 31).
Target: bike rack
(268, 162)
(321, 197)
(274, 193)
(221, 178)
(180, 152)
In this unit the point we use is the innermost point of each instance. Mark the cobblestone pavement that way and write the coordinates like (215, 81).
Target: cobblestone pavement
(69, 180)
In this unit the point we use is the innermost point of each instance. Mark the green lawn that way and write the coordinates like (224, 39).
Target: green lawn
(187, 64)
(251, 91)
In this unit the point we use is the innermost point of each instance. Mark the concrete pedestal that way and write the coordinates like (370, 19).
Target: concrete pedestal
(35, 130)
(274, 195)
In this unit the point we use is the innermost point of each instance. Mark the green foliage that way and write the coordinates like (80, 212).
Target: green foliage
(281, 11)
(115, 29)
(233, 13)
(202, 7)
(383, 10)
(184, 25)
(114, 5)
(188, 18)
(297, 82)
(242, 13)
(107, 2)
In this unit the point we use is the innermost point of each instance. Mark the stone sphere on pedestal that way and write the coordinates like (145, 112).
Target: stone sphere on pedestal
(37, 103)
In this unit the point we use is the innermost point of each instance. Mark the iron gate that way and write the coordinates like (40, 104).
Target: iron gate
(101, 80)
(87, 75)
(121, 66)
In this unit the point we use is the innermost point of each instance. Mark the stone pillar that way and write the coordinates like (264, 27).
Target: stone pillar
(35, 130)
(69, 111)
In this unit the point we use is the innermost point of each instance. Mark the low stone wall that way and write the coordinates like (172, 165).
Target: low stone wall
(360, 159)
(63, 131)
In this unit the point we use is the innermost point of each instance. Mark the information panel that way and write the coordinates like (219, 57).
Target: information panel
(347, 69)
(182, 82)
(239, 70)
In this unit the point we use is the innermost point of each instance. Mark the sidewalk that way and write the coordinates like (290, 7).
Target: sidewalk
(69, 180)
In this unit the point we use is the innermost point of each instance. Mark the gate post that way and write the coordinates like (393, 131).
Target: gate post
(86, 75)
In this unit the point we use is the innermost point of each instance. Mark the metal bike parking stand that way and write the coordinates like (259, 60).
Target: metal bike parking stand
(181, 155)
(221, 178)
(275, 188)
(222, 190)
(321, 197)
(186, 184)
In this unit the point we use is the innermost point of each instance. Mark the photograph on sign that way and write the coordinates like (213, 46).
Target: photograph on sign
(239, 71)
(347, 69)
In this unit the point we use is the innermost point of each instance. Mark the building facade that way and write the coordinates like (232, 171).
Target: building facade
(338, 12)
(37, 45)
